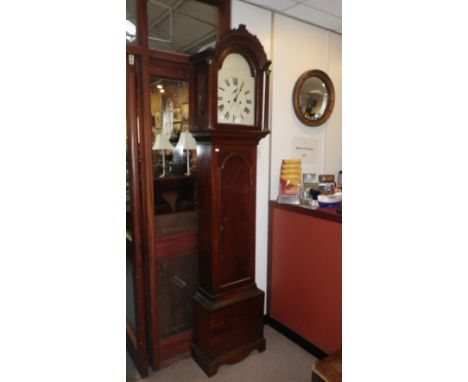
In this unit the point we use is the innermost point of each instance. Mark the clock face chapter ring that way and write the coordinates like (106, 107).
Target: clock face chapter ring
(235, 101)
(236, 92)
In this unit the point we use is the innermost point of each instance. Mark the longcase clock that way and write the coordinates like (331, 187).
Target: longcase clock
(230, 87)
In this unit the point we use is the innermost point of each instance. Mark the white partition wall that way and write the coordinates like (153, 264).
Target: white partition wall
(298, 47)
(294, 47)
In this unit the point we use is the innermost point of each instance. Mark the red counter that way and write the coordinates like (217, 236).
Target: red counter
(305, 273)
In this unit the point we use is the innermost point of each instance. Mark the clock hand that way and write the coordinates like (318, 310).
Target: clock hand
(237, 95)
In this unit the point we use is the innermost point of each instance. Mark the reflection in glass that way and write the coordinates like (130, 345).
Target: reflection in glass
(177, 283)
(170, 117)
(175, 206)
(131, 23)
(131, 316)
(181, 26)
(313, 98)
(130, 295)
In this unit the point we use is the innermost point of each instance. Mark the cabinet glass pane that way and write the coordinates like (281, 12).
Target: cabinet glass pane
(130, 294)
(131, 23)
(182, 26)
(170, 117)
(177, 283)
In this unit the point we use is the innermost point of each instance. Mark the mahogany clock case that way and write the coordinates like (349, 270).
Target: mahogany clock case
(228, 306)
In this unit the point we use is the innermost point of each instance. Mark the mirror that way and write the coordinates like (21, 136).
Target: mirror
(313, 97)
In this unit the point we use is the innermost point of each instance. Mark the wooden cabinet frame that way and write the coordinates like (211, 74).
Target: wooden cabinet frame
(136, 337)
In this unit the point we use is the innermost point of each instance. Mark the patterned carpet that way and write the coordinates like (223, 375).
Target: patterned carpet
(283, 361)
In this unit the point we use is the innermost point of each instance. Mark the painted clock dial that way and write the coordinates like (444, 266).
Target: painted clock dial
(236, 91)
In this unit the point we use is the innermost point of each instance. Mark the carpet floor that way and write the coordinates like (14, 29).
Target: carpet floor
(282, 361)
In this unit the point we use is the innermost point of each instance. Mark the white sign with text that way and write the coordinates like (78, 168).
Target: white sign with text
(306, 149)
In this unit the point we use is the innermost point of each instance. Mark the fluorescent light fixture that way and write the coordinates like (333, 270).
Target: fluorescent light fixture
(130, 31)
(131, 28)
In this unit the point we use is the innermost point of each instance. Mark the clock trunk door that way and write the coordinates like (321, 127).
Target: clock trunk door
(236, 176)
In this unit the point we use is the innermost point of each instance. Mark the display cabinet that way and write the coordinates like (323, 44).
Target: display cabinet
(176, 211)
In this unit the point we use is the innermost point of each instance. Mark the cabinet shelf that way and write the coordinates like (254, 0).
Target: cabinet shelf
(175, 194)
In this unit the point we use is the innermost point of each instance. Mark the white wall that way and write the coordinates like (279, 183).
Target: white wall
(333, 162)
(298, 47)
(294, 47)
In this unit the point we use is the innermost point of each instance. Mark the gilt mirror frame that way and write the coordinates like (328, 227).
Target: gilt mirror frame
(297, 93)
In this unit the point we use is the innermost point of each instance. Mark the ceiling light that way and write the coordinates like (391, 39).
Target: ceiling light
(161, 90)
(159, 86)
(131, 28)
(131, 31)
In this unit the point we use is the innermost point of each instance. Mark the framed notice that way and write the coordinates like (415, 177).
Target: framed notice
(306, 149)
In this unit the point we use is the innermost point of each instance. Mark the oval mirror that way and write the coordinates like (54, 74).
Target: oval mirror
(313, 97)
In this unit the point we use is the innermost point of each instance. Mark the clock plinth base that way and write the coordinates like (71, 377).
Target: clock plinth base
(211, 366)
(227, 329)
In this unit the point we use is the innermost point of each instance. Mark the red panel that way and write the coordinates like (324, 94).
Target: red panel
(306, 277)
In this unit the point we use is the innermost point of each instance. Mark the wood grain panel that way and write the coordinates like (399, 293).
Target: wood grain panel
(235, 178)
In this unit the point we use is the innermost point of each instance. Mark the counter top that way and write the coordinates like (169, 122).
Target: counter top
(321, 213)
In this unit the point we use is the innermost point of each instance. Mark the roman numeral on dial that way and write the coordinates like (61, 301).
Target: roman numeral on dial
(234, 81)
(248, 101)
(221, 107)
(226, 116)
(227, 82)
(247, 110)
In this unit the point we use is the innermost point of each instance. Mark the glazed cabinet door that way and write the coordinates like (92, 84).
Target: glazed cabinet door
(136, 325)
(236, 192)
(175, 210)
